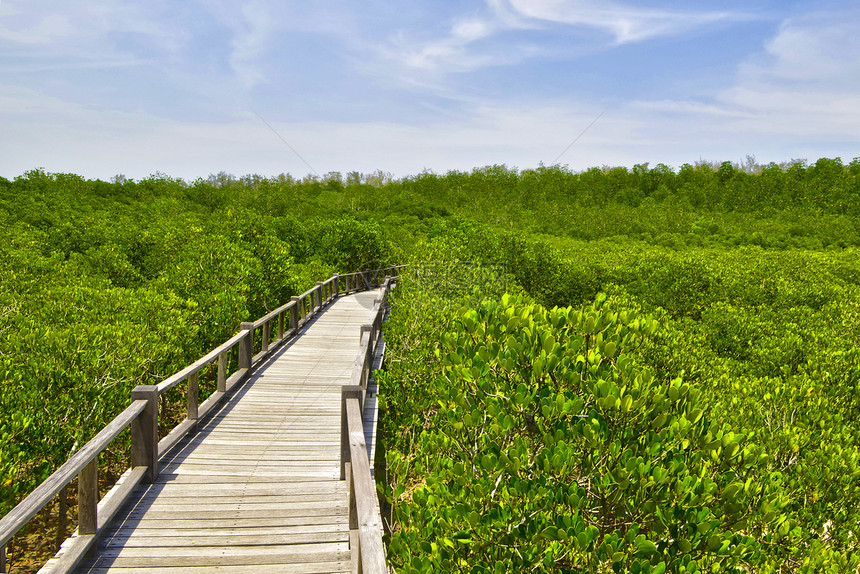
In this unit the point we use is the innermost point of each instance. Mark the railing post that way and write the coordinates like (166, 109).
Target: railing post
(294, 313)
(346, 392)
(336, 290)
(267, 333)
(2, 559)
(280, 326)
(319, 295)
(193, 394)
(144, 432)
(88, 498)
(246, 347)
(222, 372)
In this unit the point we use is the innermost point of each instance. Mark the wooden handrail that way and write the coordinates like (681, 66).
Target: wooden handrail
(365, 520)
(364, 508)
(142, 416)
(30, 506)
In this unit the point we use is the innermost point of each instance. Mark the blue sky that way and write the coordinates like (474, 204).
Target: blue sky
(105, 87)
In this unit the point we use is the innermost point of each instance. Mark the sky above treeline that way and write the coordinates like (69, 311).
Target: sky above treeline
(192, 88)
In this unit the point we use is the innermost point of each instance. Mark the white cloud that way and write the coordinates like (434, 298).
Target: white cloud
(450, 53)
(250, 43)
(626, 23)
(252, 25)
(489, 39)
(81, 34)
(48, 29)
(798, 97)
(807, 80)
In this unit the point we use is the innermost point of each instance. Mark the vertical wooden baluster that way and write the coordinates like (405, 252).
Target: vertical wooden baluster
(88, 498)
(222, 372)
(267, 328)
(280, 325)
(336, 290)
(294, 314)
(318, 292)
(144, 432)
(3, 559)
(246, 346)
(62, 519)
(193, 395)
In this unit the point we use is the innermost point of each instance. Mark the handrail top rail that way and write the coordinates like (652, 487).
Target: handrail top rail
(307, 293)
(179, 376)
(42, 495)
(273, 313)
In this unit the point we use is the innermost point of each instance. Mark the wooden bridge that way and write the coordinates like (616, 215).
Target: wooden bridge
(270, 474)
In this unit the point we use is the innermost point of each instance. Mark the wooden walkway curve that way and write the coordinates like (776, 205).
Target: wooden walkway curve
(271, 473)
(258, 488)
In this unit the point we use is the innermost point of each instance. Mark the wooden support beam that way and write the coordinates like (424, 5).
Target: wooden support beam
(280, 326)
(246, 346)
(193, 395)
(294, 313)
(267, 333)
(88, 498)
(144, 432)
(222, 372)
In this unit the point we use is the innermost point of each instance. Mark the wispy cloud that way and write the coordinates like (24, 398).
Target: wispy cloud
(798, 97)
(626, 23)
(88, 32)
(449, 53)
(807, 79)
(500, 35)
(49, 28)
(252, 34)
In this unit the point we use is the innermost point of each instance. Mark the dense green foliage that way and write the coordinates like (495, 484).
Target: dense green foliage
(700, 415)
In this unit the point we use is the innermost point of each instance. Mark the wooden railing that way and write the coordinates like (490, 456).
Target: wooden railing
(365, 522)
(142, 416)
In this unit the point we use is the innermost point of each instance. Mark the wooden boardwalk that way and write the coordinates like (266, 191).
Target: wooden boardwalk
(257, 488)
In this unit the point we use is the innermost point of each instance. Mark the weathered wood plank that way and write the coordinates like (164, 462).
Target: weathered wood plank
(178, 540)
(306, 568)
(147, 522)
(226, 531)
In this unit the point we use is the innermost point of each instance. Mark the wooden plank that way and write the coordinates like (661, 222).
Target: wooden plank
(181, 540)
(307, 568)
(313, 568)
(239, 555)
(166, 532)
(150, 522)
